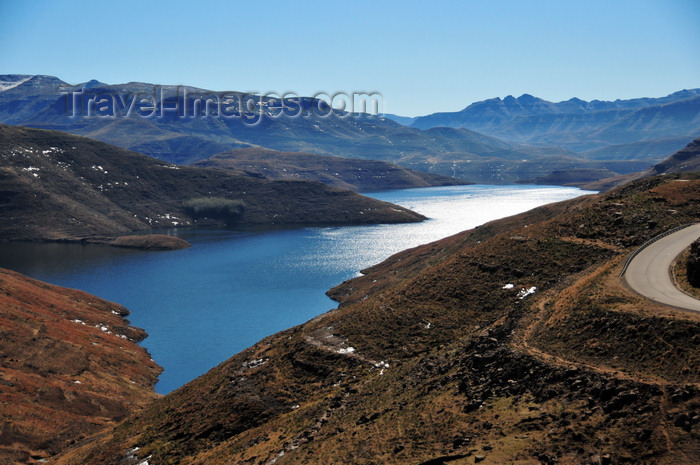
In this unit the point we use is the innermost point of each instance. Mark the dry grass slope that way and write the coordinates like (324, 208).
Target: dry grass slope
(70, 367)
(431, 358)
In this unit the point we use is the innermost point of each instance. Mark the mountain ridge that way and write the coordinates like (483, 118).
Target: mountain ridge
(348, 173)
(532, 120)
(311, 127)
(684, 160)
(57, 186)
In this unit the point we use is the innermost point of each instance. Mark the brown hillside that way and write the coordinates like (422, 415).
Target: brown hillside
(684, 161)
(433, 357)
(348, 173)
(55, 185)
(70, 367)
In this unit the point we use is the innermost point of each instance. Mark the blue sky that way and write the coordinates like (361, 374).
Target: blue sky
(422, 57)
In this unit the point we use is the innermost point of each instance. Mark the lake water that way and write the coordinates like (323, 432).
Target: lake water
(232, 288)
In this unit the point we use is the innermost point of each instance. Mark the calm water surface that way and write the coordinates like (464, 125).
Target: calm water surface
(232, 288)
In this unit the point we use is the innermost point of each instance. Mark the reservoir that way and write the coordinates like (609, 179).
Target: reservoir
(203, 304)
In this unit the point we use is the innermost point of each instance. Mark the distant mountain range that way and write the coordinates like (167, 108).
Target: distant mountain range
(685, 160)
(516, 140)
(642, 128)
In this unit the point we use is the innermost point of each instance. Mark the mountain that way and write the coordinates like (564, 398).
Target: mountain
(494, 141)
(8, 81)
(176, 124)
(652, 150)
(70, 367)
(22, 96)
(515, 342)
(684, 161)
(55, 186)
(582, 126)
(402, 120)
(347, 173)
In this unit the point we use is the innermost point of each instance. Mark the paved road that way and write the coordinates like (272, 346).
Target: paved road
(648, 273)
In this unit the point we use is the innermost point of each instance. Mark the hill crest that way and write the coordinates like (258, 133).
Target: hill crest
(348, 173)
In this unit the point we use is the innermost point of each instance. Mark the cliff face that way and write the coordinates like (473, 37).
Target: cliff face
(514, 342)
(70, 367)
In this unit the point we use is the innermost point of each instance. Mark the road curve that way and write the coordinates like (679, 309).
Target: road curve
(648, 273)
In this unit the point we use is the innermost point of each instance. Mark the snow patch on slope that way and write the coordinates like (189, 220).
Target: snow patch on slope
(7, 85)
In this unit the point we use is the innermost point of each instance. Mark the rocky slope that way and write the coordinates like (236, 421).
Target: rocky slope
(685, 160)
(55, 186)
(347, 173)
(511, 343)
(70, 366)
